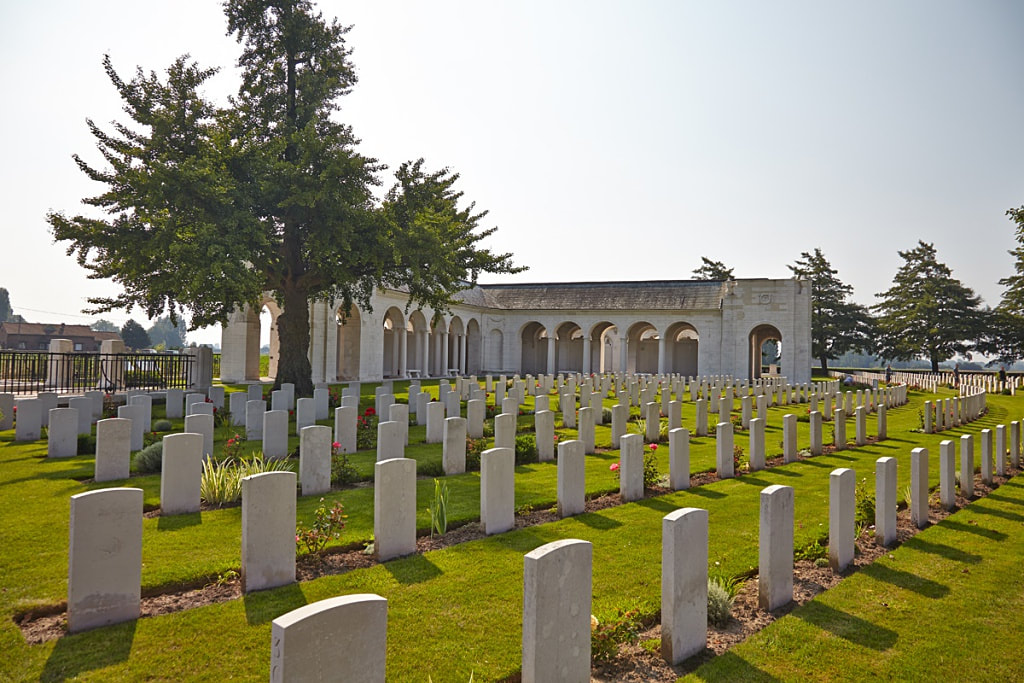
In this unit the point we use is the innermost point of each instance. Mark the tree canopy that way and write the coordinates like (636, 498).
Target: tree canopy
(1004, 338)
(164, 333)
(712, 270)
(927, 313)
(837, 324)
(207, 207)
(103, 325)
(135, 336)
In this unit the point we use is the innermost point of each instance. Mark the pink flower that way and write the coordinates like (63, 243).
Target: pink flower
(614, 467)
(335, 444)
(654, 446)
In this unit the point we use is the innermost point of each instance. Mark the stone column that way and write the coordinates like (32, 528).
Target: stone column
(444, 354)
(623, 355)
(551, 353)
(662, 353)
(403, 352)
(586, 355)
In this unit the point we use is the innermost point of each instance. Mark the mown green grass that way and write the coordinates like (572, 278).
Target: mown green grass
(451, 612)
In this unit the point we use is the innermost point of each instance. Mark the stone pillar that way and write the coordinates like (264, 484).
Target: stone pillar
(986, 456)
(453, 454)
(967, 465)
(571, 486)
(586, 354)
(356, 623)
(631, 467)
(557, 584)
(841, 512)
(757, 450)
(394, 508)
(623, 355)
(789, 449)
(497, 490)
(885, 501)
(662, 353)
(104, 558)
(551, 353)
(775, 551)
(268, 530)
(724, 465)
(919, 487)
(684, 584)
(403, 352)
(444, 353)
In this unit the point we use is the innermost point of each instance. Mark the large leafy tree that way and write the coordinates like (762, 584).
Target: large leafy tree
(134, 335)
(927, 312)
(837, 324)
(712, 270)
(1004, 338)
(209, 206)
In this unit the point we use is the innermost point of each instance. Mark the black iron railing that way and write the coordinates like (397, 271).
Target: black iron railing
(34, 371)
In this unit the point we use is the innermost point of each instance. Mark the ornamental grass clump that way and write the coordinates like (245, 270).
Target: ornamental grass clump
(221, 482)
(721, 596)
(439, 510)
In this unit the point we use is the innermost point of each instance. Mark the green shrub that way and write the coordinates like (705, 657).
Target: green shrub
(343, 471)
(162, 426)
(86, 444)
(720, 601)
(606, 415)
(526, 449)
(327, 526)
(429, 469)
(651, 473)
(150, 459)
(865, 504)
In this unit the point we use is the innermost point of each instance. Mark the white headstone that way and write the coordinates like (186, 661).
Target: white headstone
(497, 489)
(62, 434)
(394, 508)
(684, 584)
(275, 434)
(775, 548)
(113, 452)
(268, 530)
(181, 473)
(315, 460)
(571, 478)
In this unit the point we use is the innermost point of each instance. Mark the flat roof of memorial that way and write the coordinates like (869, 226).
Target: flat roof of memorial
(644, 294)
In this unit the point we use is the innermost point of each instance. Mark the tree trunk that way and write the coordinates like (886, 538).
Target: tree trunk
(935, 364)
(824, 365)
(293, 333)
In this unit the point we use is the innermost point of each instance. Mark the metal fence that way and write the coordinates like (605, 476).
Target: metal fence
(23, 372)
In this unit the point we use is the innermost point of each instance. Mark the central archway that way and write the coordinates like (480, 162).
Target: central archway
(534, 357)
(759, 337)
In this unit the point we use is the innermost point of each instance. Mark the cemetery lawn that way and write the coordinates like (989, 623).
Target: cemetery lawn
(458, 611)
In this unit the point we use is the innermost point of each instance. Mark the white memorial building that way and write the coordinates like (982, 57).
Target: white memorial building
(689, 327)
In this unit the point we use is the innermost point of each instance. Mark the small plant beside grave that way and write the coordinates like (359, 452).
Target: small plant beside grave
(474, 447)
(150, 459)
(221, 482)
(652, 475)
(342, 470)
(607, 635)
(721, 596)
(526, 449)
(326, 527)
(233, 446)
(366, 430)
(439, 510)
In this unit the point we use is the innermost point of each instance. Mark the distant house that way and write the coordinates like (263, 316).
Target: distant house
(37, 336)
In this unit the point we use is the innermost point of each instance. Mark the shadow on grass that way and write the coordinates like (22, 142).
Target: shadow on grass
(942, 550)
(178, 522)
(981, 509)
(901, 579)
(848, 627)
(1005, 499)
(657, 504)
(413, 569)
(596, 520)
(705, 492)
(990, 534)
(77, 654)
(263, 606)
(731, 667)
(815, 463)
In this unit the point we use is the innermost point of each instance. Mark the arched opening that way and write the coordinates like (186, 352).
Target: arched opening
(416, 344)
(534, 359)
(642, 348)
(604, 346)
(473, 348)
(457, 346)
(349, 332)
(496, 350)
(568, 348)
(765, 347)
(681, 350)
(395, 343)
(267, 339)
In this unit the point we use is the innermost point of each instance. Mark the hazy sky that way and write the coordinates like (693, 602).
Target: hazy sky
(608, 140)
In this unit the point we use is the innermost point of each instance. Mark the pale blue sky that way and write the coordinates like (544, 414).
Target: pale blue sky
(608, 140)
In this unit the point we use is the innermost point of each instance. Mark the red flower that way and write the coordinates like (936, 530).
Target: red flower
(370, 411)
(654, 446)
(335, 445)
(614, 467)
